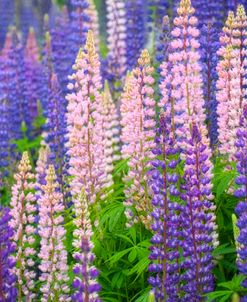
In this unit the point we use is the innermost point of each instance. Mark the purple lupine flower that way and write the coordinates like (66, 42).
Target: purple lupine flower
(209, 46)
(136, 30)
(79, 26)
(162, 43)
(85, 283)
(32, 76)
(26, 18)
(8, 292)
(241, 193)
(5, 120)
(61, 49)
(6, 12)
(116, 43)
(166, 222)
(56, 128)
(46, 73)
(198, 220)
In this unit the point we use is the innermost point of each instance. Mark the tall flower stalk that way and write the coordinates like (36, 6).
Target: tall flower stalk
(166, 222)
(241, 193)
(53, 255)
(23, 215)
(186, 94)
(85, 283)
(84, 124)
(198, 220)
(8, 290)
(138, 122)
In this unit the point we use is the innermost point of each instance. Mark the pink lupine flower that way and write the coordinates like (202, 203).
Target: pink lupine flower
(182, 94)
(84, 124)
(138, 122)
(53, 255)
(231, 69)
(111, 131)
(23, 213)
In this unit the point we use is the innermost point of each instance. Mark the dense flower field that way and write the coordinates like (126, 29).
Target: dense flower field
(123, 151)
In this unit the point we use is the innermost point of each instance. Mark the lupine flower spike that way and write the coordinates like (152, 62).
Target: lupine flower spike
(241, 193)
(85, 284)
(138, 113)
(23, 216)
(186, 79)
(198, 220)
(8, 292)
(53, 256)
(166, 222)
(116, 41)
(231, 94)
(84, 124)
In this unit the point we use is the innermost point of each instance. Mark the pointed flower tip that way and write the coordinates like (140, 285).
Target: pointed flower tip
(144, 58)
(241, 11)
(230, 19)
(185, 8)
(90, 41)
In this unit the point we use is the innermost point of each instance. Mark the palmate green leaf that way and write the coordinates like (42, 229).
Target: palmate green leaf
(223, 295)
(224, 183)
(132, 255)
(140, 267)
(119, 255)
(235, 284)
(223, 250)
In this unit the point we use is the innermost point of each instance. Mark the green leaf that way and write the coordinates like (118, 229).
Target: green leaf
(117, 256)
(219, 294)
(132, 255)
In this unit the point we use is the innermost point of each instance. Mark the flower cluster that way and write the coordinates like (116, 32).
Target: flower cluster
(8, 291)
(86, 287)
(231, 83)
(138, 122)
(84, 124)
(23, 216)
(116, 41)
(185, 74)
(241, 193)
(53, 256)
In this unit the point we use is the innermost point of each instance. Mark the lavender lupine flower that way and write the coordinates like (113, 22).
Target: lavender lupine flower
(5, 108)
(138, 122)
(241, 193)
(26, 17)
(79, 26)
(32, 76)
(166, 222)
(56, 128)
(61, 48)
(198, 220)
(6, 12)
(46, 73)
(84, 124)
(23, 214)
(136, 30)
(85, 283)
(17, 85)
(209, 46)
(8, 292)
(53, 255)
(116, 42)
(163, 40)
(41, 168)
